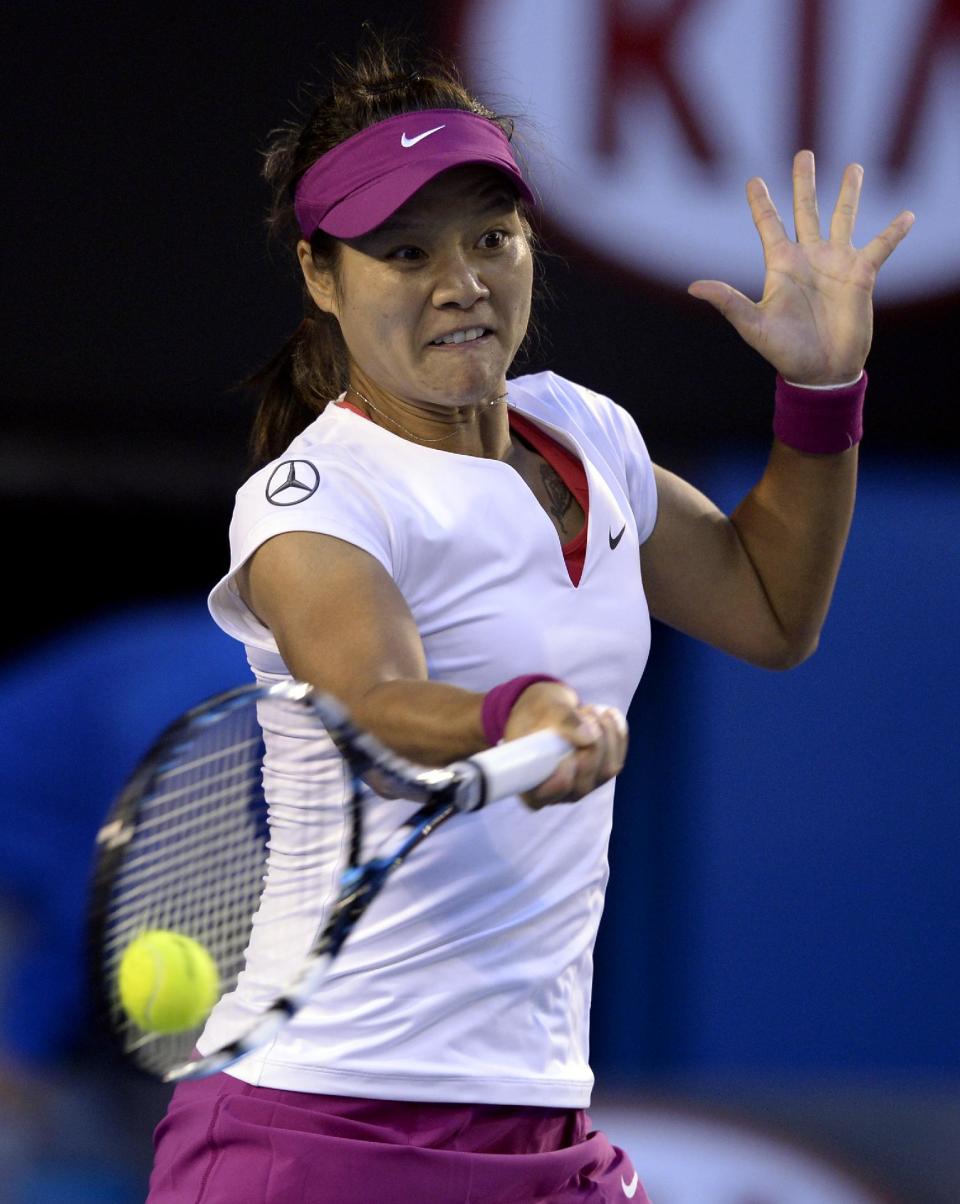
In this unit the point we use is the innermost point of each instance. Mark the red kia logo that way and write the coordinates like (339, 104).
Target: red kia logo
(646, 118)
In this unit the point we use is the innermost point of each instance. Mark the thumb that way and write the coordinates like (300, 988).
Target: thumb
(739, 310)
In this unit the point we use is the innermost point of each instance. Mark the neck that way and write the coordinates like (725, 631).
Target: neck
(479, 428)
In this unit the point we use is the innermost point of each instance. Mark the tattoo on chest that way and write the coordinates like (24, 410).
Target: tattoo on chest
(559, 497)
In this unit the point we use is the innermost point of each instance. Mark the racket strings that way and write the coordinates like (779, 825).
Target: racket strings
(195, 864)
(167, 827)
(243, 745)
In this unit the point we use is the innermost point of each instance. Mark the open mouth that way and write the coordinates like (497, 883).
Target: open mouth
(471, 334)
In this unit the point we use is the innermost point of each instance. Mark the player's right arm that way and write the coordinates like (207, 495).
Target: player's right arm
(341, 623)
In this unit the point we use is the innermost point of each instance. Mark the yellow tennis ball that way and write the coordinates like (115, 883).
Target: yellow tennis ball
(167, 982)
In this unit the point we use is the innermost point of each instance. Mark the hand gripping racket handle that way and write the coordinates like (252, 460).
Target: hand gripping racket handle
(512, 767)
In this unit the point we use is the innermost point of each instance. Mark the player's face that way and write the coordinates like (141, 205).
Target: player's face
(455, 258)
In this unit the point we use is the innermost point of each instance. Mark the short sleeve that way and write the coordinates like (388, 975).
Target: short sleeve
(322, 492)
(641, 482)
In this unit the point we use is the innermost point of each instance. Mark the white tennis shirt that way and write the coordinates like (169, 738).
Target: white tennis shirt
(469, 978)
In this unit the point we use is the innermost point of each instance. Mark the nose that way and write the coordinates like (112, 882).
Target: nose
(458, 283)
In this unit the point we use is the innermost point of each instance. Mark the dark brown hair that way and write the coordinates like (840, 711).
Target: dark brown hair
(311, 367)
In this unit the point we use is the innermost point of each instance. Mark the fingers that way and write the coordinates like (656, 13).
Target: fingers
(848, 201)
(879, 249)
(806, 216)
(598, 763)
(816, 303)
(617, 740)
(765, 215)
(553, 704)
(600, 755)
(844, 217)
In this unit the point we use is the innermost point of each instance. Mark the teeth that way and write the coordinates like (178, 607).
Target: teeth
(461, 336)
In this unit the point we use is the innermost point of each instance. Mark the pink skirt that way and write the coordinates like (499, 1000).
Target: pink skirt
(226, 1142)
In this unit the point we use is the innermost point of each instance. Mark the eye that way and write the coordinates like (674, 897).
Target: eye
(493, 240)
(406, 254)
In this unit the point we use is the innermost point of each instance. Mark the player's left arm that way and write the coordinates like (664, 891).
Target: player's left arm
(758, 583)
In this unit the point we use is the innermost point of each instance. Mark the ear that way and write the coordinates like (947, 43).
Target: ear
(319, 281)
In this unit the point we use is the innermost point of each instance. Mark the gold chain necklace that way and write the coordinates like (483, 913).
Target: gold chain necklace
(418, 438)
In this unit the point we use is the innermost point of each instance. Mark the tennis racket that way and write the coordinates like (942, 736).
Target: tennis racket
(184, 848)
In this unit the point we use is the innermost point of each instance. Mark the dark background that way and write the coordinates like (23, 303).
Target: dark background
(143, 290)
(781, 929)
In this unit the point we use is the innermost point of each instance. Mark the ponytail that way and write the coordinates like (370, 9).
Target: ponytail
(295, 386)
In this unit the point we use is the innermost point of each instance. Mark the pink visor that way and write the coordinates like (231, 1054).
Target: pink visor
(356, 186)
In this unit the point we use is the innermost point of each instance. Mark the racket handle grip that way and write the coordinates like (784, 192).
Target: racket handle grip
(515, 766)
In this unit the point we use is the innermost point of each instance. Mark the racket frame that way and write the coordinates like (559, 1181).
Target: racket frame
(441, 793)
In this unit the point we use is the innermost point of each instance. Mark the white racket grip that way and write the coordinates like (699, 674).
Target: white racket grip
(518, 765)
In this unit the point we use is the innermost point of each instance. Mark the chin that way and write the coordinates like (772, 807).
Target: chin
(471, 392)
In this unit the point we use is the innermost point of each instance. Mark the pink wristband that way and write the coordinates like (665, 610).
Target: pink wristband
(820, 421)
(498, 703)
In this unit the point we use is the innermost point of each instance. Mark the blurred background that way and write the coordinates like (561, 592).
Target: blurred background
(775, 1016)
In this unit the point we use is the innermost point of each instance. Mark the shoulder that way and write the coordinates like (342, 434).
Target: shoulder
(326, 481)
(328, 442)
(547, 388)
(565, 398)
(576, 408)
(341, 459)
(321, 484)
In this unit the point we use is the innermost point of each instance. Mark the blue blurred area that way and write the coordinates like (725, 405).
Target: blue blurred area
(75, 716)
(784, 895)
(824, 914)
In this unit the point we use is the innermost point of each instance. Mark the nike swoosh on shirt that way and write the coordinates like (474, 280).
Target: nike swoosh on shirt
(630, 1189)
(615, 539)
(405, 141)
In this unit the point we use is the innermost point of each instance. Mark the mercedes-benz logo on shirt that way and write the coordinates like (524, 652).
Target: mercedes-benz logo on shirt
(291, 482)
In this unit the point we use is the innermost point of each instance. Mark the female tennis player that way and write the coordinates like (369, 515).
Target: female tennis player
(462, 557)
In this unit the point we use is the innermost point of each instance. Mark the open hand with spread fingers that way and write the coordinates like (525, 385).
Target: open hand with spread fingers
(814, 322)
